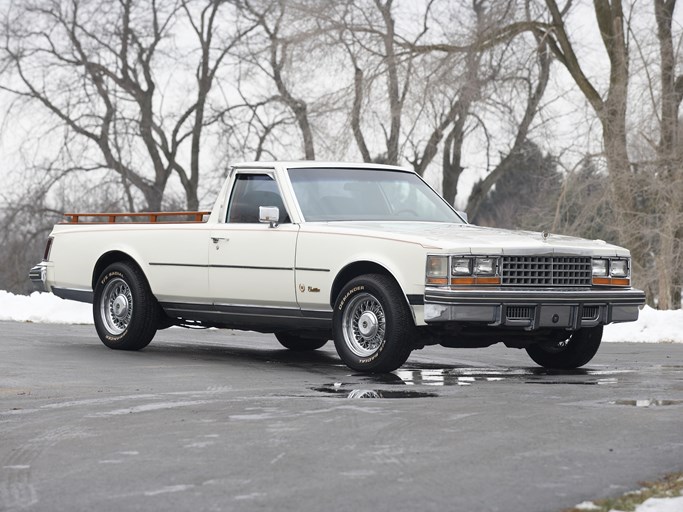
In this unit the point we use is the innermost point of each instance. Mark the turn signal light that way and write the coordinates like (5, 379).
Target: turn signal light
(611, 281)
(464, 281)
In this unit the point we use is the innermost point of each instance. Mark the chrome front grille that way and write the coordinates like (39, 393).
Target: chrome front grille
(546, 271)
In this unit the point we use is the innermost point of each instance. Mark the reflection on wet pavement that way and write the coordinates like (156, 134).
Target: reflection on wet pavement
(368, 386)
(468, 376)
(337, 389)
(646, 403)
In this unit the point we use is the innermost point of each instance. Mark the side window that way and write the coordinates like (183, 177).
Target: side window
(251, 191)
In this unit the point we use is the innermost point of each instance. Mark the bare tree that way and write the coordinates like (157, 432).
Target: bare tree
(495, 35)
(536, 86)
(381, 71)
(610, 107)
(670, 162)
(106, 61)
(645, 195)
(273, 54)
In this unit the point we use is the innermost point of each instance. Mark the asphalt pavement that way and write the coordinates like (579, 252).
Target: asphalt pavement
(230, 421)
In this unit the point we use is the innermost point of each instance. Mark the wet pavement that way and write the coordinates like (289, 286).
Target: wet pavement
(219, 420)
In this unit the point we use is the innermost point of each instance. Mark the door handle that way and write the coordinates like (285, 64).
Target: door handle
(216, 239)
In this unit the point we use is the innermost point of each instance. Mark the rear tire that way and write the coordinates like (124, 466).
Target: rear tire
(577, 350)
(126, 313)
(372, 324)
(298, 343)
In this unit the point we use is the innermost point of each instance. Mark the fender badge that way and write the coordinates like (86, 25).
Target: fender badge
(313, 290)
(302, 288)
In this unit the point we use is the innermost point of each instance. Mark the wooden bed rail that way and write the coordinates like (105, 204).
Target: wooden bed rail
(111, 218)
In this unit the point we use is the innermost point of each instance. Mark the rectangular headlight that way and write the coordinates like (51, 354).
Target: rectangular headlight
(618, 268)
(599, 267)
(484, 266)
(437, 267)
(461, 266)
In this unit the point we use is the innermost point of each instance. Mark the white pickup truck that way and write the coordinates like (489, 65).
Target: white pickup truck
(367, 255)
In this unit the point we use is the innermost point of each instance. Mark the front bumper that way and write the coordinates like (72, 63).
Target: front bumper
(38, 276)
(533, 308)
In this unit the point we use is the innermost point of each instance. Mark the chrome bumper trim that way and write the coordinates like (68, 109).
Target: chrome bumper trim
(532, 308)
(628, 296)
(38, 276)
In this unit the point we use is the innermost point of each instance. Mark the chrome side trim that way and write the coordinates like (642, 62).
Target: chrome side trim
(162, 264)
(259, 318)
(199, 265)
(525, 296)
(244, 267)
(248, 267)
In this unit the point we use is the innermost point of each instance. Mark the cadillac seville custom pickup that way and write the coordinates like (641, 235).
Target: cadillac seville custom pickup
(367, 255)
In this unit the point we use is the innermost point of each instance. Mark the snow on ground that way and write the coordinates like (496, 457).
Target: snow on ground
(661, 505)
(674, 504)
(653, 326)
(43, 308)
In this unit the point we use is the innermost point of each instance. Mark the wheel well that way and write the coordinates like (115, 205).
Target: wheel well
(107, 259)
(354, 270)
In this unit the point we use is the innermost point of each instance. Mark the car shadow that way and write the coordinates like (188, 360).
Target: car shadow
(325, 358)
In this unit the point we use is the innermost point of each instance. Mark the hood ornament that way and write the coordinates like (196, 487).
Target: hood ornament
(545, 235)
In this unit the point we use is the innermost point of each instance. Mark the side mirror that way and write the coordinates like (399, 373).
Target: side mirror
(463, 214)
(269, 214)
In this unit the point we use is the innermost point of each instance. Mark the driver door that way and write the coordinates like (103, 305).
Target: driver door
(251, 265)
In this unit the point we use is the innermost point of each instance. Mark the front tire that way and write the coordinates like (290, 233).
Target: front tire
(372, 324)
(298, 343)
(578, 349)
(126, 313)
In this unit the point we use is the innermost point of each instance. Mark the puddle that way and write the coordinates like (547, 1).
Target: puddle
(397, 384)
(372, 393)
(646, 403)
(469, 376)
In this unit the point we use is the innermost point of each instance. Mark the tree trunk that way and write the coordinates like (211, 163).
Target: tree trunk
(451, 160)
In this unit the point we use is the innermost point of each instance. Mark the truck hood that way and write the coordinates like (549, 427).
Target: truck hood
(468, 238)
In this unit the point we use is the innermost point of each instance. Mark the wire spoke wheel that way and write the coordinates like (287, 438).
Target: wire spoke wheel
(364, 325)
(116, 306)
(372, 325)
(126, 313)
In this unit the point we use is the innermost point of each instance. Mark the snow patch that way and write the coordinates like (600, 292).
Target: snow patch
(43, 308)
(661, 505)
(652, 326)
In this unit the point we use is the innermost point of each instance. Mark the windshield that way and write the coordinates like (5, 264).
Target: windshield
(328, 194)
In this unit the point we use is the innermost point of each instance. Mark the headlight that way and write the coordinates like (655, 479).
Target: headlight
(618, 268)
(599, 267)
(461, 267)
(437, 270)
(457, 270)
(611, 272)
(484, 266)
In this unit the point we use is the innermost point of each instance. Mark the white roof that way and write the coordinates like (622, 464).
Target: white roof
(317, 164)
